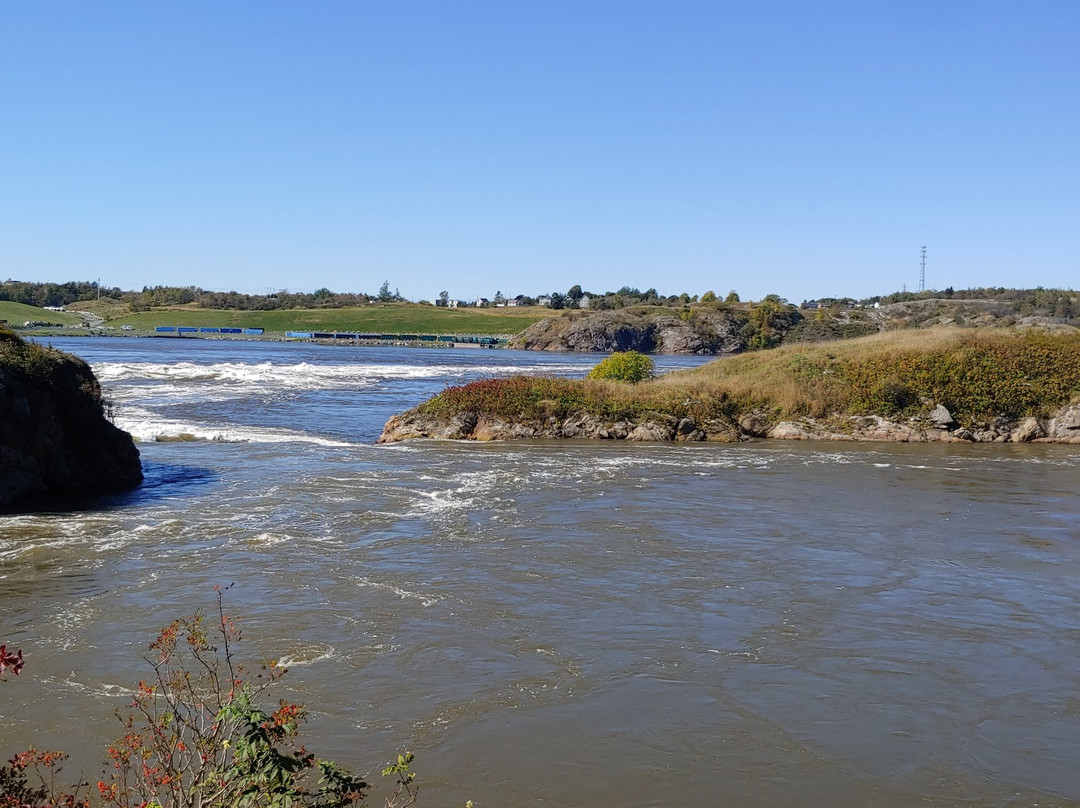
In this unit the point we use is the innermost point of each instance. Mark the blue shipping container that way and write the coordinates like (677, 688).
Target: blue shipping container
(165, 328)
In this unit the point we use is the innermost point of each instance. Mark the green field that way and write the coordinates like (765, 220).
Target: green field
(393, 318)
(18, 313)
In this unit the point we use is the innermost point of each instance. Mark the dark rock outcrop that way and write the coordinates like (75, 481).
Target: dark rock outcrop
(55, 441)
(703, 332)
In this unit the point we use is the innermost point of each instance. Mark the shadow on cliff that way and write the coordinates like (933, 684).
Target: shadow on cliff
(160, 481)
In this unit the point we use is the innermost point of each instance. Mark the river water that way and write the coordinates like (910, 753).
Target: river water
(566, 624)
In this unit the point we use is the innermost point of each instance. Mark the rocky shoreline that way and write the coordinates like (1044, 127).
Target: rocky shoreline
(1063, 426)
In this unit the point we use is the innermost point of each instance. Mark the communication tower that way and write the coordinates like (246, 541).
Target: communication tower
(922, 270)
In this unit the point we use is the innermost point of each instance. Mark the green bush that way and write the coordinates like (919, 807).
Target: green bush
(625, 366)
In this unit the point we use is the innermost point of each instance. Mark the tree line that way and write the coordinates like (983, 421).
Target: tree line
(1060, 303)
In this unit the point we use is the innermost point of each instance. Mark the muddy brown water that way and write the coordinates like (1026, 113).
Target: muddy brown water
(569, 623)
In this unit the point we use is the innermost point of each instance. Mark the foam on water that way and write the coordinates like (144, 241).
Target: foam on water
(270, 539)
(145, 425)
(308, 655)
(304, 376)
(99, 690)
(404, 594)
(232, 379)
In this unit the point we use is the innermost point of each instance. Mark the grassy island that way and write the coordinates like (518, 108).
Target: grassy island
(981, 377)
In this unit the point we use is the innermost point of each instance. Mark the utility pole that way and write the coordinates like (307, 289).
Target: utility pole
(922, 270)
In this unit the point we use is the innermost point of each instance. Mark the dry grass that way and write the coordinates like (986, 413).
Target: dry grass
(976, 374)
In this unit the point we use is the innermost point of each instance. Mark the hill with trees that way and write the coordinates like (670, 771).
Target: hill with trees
(577, 320)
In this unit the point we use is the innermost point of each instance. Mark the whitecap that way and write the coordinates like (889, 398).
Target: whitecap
(404, 594)
(144, 426)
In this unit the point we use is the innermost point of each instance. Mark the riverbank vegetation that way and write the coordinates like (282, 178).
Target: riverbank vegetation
(976, 374)
(196, 734)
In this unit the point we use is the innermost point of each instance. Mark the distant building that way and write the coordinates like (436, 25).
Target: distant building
(585, 302)
(543, 300)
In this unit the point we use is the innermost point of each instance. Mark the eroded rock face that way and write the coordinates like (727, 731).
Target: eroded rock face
(1064, 427)
(707, 332)
(55, 440)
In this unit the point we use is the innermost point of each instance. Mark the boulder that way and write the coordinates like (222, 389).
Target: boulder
(1066, 424)
(753, 424)
(1028, 429)
(941, 417)
(790, 430)
(651, 431)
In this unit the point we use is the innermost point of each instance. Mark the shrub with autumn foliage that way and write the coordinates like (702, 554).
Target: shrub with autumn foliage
(195, 736)
(10, 661)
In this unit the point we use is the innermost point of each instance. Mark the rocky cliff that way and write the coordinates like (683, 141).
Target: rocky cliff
(702, 331)
(55, 441)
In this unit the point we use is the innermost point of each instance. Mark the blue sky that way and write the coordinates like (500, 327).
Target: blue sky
(521, 146)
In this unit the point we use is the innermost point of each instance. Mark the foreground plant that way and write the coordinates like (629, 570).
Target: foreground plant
(17, 791)
(196, 737)
(10, 661)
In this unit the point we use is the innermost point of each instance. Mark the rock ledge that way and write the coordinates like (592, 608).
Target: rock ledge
(1062, 427)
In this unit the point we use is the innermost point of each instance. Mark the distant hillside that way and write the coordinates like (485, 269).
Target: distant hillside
(725, 328)
(579, 320)
(17, 314)
(377, 317)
